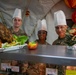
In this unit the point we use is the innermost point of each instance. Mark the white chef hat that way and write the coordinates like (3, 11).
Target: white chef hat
(59, 18)
(17, 13)
(42, 25)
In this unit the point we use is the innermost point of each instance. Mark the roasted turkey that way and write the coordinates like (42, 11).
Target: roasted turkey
(5, 34)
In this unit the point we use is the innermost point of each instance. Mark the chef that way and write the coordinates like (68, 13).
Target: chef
(42, 36)
(16, 29)
(39, 68)
(17, 23)
(60, 27)
(42, 32)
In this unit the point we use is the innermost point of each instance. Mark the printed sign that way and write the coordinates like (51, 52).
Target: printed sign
(50, 71)
(15, 68)
(7, 65)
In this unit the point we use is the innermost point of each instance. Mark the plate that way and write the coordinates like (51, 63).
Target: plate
(14, 47)
(1, 49)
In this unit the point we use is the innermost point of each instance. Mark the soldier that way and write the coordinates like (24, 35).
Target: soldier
(60, 27)
(42, 32)
(16, 29)
(17, 23)
(39, 68)
(42, 36)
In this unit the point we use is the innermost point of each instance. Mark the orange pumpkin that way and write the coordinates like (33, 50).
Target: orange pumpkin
(70, 3)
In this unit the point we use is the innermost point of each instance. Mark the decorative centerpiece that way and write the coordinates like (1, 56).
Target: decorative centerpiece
(71, 35)
(71, 38)
(72, 32)
(32, 45)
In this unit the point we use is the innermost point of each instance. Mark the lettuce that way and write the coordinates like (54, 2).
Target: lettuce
(21, 39)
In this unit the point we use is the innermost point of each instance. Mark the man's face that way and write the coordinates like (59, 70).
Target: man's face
(17, 22)
(42, 34)
(61, 30)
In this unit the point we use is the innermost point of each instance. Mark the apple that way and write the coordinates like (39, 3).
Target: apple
(32, 45)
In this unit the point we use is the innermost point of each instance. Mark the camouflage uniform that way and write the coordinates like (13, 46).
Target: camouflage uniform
(60, 41)
(20, 32)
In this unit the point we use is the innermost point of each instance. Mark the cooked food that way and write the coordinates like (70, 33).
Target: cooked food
(17, 40)
(5, 34)
(8, 39)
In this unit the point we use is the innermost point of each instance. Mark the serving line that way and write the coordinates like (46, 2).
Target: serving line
(44, 53)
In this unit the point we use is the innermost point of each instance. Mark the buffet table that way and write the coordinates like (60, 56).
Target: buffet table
(44, 53)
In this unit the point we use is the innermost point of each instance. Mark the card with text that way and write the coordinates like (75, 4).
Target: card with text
(50, 71)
